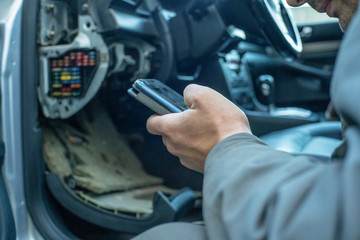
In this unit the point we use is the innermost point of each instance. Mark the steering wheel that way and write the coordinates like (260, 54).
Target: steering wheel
(264, 18)
(278, 26)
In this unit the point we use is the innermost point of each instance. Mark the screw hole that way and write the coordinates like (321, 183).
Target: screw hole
(88, 25)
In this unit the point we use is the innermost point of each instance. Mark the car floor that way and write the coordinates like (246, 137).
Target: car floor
(100, 167)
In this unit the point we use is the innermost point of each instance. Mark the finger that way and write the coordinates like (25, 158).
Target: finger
(164, 141)
(191, 93)
(162, 125)
(296, 3)
(154, 124)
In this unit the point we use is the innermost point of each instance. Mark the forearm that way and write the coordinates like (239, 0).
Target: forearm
(254, 192)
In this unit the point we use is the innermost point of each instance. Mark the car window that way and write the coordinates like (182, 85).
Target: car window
(307, 15)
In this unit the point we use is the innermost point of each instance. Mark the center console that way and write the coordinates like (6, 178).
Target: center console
(240, 87)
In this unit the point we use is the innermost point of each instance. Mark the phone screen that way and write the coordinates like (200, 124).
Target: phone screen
(160, 93)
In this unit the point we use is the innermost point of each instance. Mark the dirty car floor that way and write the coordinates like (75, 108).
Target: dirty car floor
(98, 164)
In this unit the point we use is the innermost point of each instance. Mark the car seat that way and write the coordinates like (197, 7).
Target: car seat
(319, 139)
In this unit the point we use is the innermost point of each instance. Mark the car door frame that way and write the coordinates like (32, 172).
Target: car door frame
(7, 224)
(8, 16)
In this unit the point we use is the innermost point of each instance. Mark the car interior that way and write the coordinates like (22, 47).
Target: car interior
(92, 170)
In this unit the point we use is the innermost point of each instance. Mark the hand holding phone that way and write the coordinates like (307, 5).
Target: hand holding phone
(157, 96)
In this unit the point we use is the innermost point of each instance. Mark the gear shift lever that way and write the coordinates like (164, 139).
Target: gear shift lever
(267, 88)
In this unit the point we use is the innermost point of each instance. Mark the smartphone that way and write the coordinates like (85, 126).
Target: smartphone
(157, 96)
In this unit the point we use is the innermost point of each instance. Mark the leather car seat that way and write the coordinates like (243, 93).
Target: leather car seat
(319, 139)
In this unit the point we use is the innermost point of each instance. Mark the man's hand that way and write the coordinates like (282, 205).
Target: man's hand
(191, 135)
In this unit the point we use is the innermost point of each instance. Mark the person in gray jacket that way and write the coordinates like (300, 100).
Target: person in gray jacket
(252, 191)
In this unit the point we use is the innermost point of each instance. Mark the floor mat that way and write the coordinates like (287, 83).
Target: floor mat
(139, 201)
(94, 155)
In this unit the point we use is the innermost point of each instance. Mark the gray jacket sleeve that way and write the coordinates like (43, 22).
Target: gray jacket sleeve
(254, 192)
